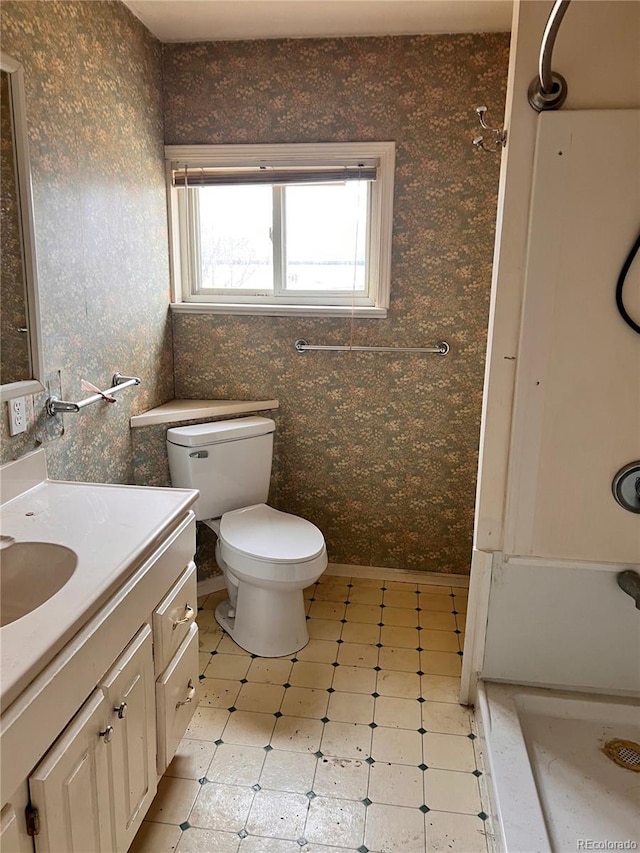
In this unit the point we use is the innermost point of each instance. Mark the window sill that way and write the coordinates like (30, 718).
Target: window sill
(345, 311)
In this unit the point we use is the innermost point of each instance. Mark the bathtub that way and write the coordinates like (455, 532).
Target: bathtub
(551, 786)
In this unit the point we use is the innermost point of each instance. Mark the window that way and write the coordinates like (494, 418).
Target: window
(281, 229)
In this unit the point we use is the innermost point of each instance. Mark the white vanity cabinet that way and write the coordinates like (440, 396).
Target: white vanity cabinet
(88, 739)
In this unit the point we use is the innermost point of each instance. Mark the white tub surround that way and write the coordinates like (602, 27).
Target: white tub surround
(176, 411)
(560, 418)
(100, 681)
(576, 416)
(559, 624)
(553, 786)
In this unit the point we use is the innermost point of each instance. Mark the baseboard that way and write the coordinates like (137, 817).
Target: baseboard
(208, 585)
(216, 583)
(375, 572)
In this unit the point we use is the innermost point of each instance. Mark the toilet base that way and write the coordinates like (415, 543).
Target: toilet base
(226, 616)
(267, 622)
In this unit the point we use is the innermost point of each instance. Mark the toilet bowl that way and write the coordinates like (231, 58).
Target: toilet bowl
(268, 557)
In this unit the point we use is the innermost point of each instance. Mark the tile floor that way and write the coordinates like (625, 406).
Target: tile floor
(356, 743)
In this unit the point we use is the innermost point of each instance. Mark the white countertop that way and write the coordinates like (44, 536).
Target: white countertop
(111, 528)
(188, 410)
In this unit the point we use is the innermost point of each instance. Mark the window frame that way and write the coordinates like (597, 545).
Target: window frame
(186, 299)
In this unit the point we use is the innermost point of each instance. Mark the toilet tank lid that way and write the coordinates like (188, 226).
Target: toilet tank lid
(219, 431)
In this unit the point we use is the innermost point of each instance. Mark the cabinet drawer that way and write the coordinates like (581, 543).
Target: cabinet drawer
(177, 696)
(173, 617)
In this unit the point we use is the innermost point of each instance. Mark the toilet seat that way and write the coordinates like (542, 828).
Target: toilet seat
(264, 534)
(262, 546)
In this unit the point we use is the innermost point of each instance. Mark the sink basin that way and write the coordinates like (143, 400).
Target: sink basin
(30, 573)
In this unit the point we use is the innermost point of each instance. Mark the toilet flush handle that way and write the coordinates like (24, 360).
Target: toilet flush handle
(189, 614)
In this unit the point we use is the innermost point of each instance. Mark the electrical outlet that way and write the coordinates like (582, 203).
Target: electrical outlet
(17, 416)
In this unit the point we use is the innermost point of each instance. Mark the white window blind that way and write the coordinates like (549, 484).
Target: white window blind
(184, 174)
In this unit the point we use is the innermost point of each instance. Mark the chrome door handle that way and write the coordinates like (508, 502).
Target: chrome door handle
(121, 710)
(189, 614)
(191, 692)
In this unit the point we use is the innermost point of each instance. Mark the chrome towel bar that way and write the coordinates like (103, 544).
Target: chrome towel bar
(441, 348)
(56, 406)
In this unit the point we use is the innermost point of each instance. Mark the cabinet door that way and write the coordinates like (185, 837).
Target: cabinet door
(70, 787)
(129, 690)
(9, 832)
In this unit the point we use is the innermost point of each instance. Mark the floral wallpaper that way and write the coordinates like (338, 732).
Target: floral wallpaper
(94, 115)
(380, 451)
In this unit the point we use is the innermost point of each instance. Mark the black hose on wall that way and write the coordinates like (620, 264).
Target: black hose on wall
(621, 279)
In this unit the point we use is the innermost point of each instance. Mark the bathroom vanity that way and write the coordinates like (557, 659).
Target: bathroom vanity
(100, 680)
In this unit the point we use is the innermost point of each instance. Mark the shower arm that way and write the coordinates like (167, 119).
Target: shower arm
(548, 90)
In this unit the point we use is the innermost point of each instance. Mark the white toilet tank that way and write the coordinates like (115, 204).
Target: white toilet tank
(228, 461)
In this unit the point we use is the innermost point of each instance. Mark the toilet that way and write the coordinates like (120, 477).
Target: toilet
(268, 557)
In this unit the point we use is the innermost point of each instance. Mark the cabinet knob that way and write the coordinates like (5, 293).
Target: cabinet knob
(189, 613)
(191, 692)
(121, 710)
(107, 734)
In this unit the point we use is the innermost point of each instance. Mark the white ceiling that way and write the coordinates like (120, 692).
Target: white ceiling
(214, 20)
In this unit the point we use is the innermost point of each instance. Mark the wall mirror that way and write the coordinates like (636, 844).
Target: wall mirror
(21, 368)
